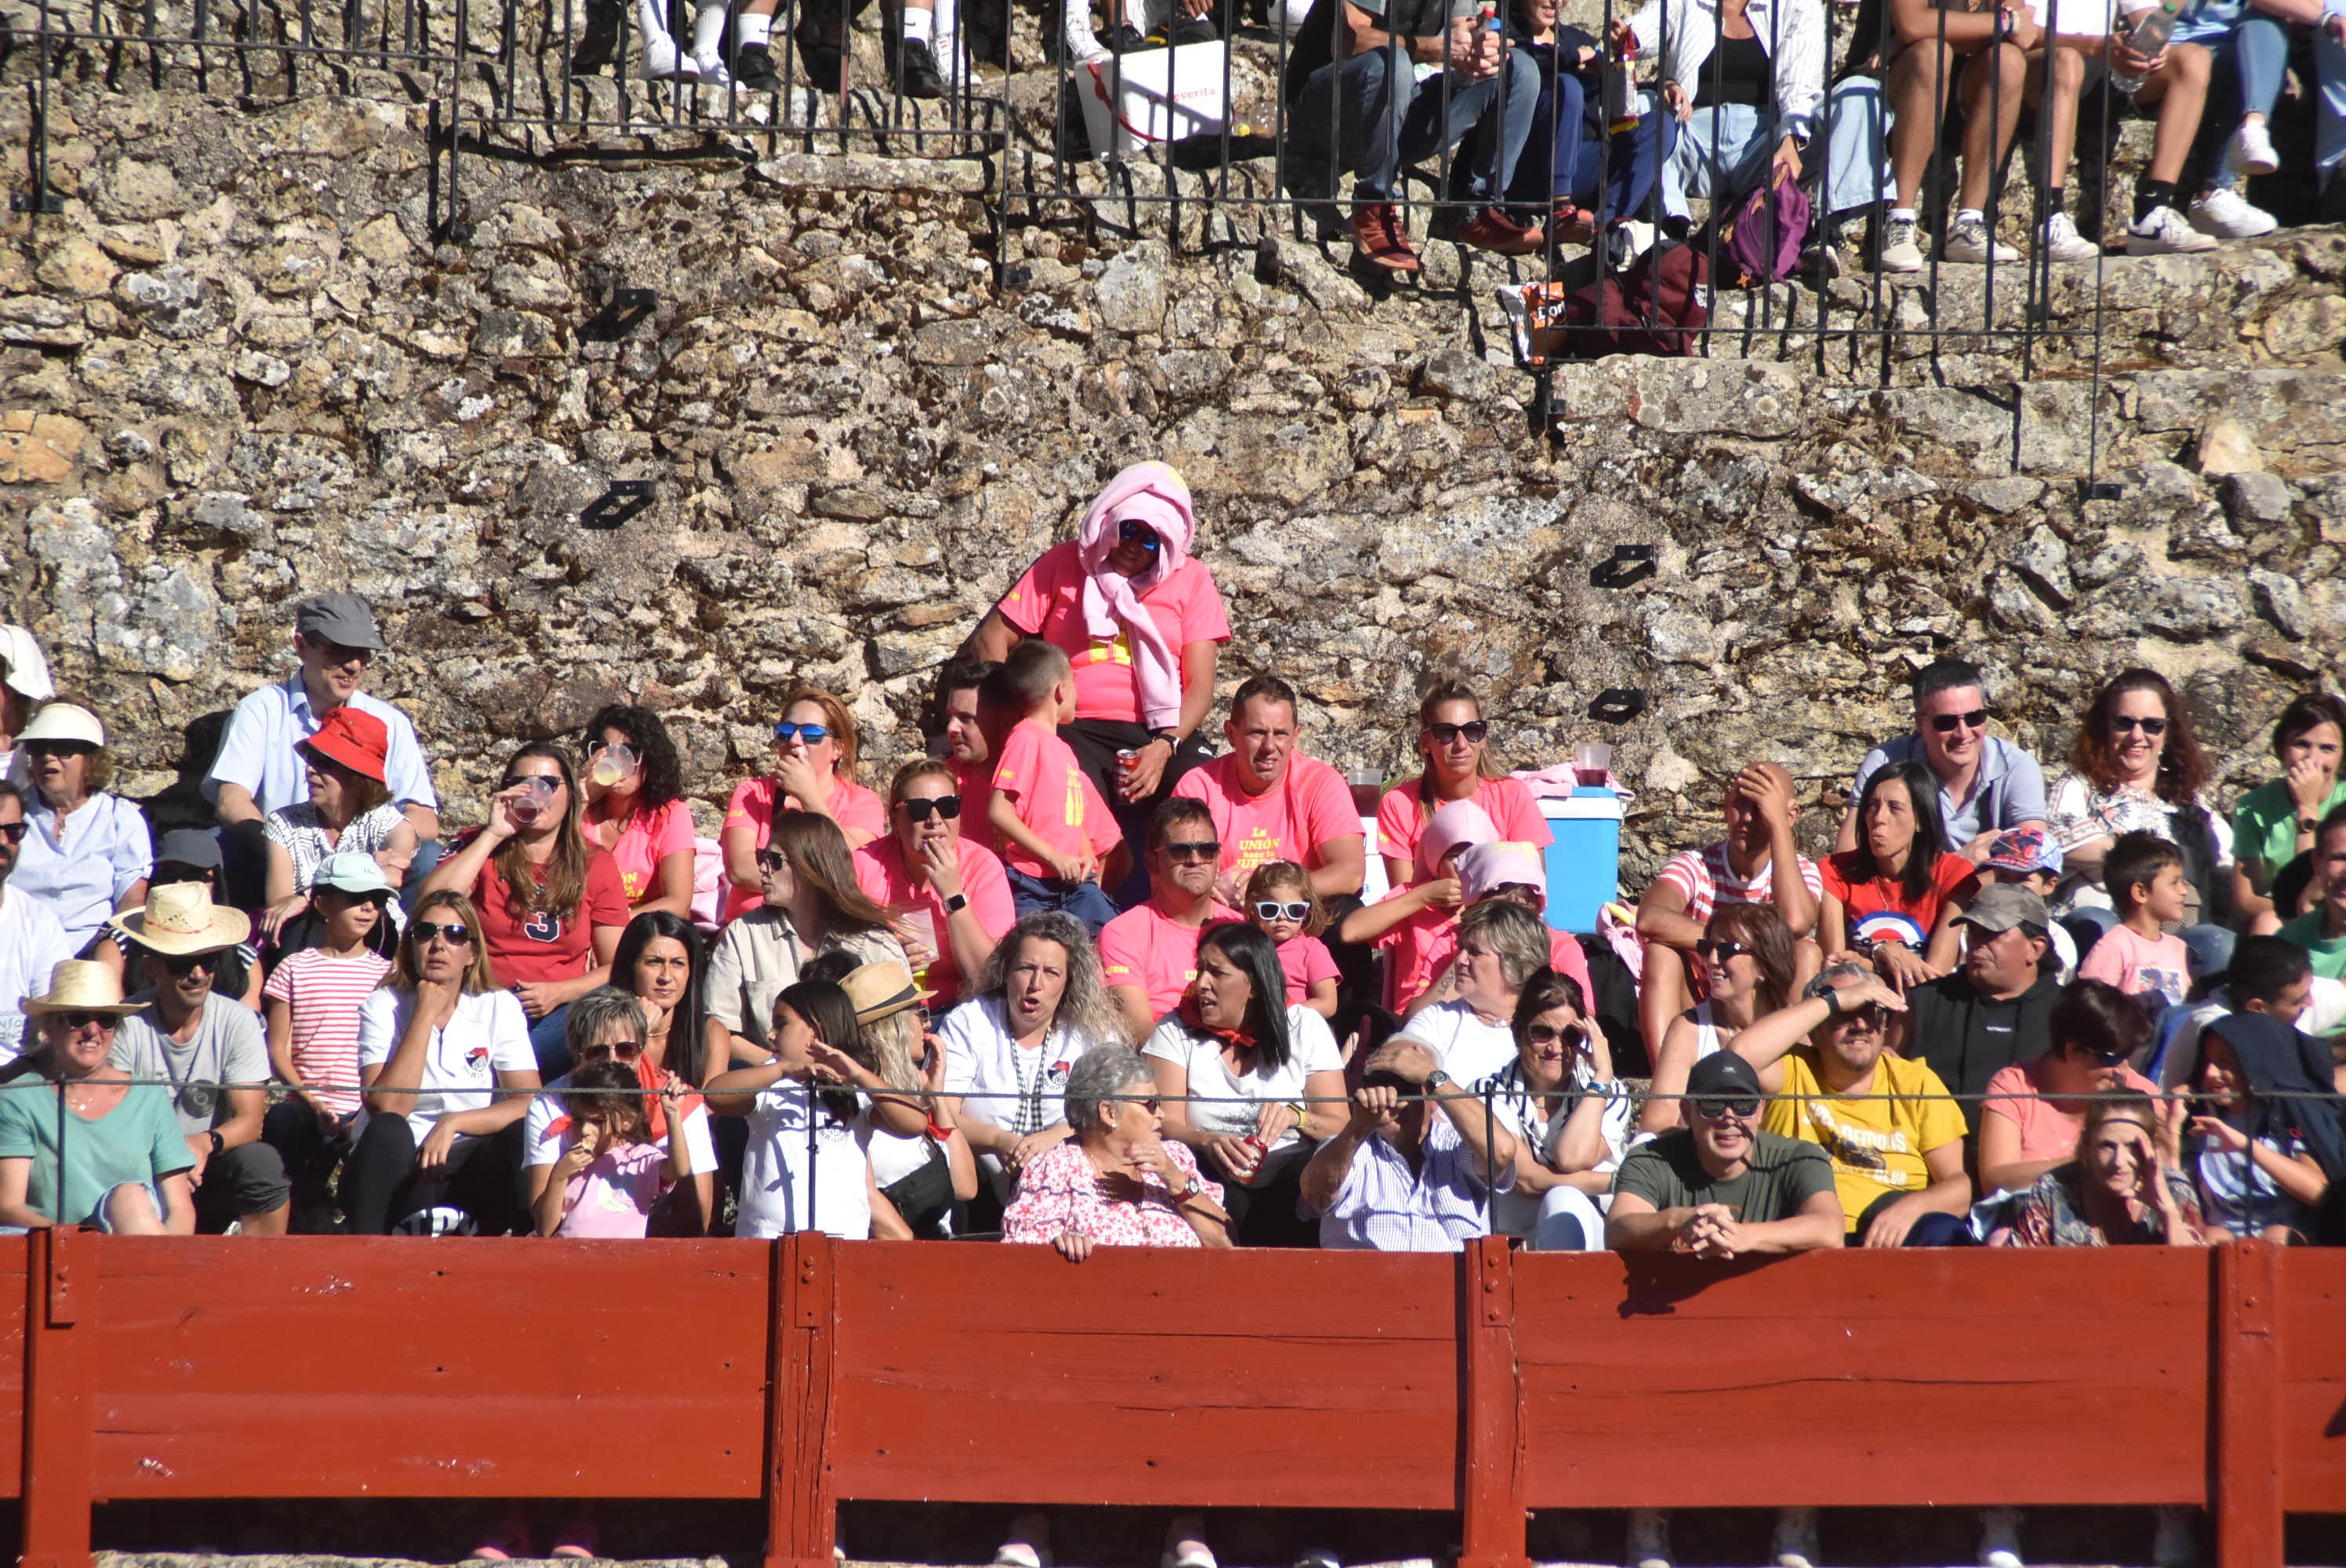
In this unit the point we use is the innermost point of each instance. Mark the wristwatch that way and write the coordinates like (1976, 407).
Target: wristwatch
(1437, 1080)
(218, 1142)
(956, 903)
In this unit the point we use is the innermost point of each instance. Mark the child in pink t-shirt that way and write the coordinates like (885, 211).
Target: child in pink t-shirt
(613, 1172)
(2143, 874)
(1049, 822)
(1279, 903)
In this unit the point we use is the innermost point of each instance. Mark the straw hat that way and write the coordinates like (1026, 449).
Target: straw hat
(882, 990)
(81, 985)
(181, 919)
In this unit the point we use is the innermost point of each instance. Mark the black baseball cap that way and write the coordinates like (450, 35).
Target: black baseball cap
(1723, 1076)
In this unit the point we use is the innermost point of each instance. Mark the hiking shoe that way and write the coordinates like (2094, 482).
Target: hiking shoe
(753, 68)
(599, 41)
(1999, 1545)
(1485, 228)
(2227, 215)
(2163, 231)
(2251, 151)
(1126, 39)
(1626, 241)
(1377, 231)
(1968, 241)
(1902, 248)
(1794, 1544)
(1650, 1539)
(916, 70)
(1187, 29)
(2060, 241)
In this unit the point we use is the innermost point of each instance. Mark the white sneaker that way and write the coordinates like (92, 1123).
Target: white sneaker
(1968, 241)
(710, 71)
(1650, 1539)
(1795, 1541)
(1900, 250)
(2061, 241)
(2252, 151)
(2164, 232)
(2000, 1535)
(2174, 1543)
(664, 63)
(2228, 215)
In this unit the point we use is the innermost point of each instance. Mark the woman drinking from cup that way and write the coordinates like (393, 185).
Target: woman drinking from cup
(635, 807)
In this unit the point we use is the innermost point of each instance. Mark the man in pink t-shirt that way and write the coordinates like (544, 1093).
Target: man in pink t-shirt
(1271, 802)
(1148, 955)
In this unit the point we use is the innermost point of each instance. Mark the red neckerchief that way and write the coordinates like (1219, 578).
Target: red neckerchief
(1190, 1015)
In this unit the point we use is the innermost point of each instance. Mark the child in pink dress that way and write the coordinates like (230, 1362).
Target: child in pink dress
(613, 1172)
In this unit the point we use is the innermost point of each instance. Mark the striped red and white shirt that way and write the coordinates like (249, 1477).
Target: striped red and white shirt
(1709, 880)
(323, 994)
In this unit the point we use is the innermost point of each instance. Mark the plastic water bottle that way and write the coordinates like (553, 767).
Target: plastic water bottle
(2148, 36)
(1620, 91)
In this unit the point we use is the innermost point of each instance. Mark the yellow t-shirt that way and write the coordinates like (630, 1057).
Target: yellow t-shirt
(1876, 1146)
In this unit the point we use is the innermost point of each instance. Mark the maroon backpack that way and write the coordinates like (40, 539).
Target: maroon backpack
(1658, 304)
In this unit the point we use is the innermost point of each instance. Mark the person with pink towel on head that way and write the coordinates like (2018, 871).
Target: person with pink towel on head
(1142, 623)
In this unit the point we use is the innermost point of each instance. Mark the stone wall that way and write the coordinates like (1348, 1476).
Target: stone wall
(239, 368)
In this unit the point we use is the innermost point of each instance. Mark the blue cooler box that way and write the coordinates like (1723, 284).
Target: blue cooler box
(1584, 864)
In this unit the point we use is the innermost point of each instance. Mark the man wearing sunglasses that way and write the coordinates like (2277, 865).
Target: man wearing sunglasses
(1272, 802)
(1987, 786)
(210, 1055)
(33, 940)
(1148, 955)
(1719, 1186)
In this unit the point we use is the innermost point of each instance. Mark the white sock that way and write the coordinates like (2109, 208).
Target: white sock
(1970, 215)
(651, 20)
(919, 26)
(1901, 215)
(709, 28)
(750, 29)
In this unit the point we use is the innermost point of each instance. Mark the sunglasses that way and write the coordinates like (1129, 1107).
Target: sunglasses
(771, 859)
(15, 833)
(2107, 1058)
(79, 1021)
(58, 748)
(919, 807)
(1149, 1103)
(1139, 534)
(625, 1050)
(2127, 724)
(1741, 1110)
(1872, 1017)
(1711, 952)
(1549, 1034)
(1184, 854)
(1948, 723)
(171, 877)
(1271, 909)
(1475, 733)
(455, 933)
(335, 653)
(813, 734)
(188, 962)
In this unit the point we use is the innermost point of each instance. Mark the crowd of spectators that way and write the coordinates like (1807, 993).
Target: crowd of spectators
(1999, 1013)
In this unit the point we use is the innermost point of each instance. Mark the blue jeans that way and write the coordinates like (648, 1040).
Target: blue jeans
(549, 1039)
(1724, 150)
(1382, 117)
(1084, 901)
(1932, 1229)
(1562, 164)
(2252, 57)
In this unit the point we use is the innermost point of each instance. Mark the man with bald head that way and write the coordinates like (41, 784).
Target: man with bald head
(1755, 863)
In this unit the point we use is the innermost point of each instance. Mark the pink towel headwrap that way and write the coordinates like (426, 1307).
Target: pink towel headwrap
(1154, 495)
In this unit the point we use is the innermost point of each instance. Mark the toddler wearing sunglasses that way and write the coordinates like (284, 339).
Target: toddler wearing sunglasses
(1279, 903)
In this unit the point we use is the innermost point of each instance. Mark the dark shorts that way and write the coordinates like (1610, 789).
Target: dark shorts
(247, 1179)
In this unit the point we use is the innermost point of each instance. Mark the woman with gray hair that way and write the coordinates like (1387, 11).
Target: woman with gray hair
(1038, 1006)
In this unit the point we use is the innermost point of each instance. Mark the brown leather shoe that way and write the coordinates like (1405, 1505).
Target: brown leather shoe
(1570, 225)
(1377, 230)
(1492, 230)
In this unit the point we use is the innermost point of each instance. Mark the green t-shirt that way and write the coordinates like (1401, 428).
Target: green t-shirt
(1784, 1174)
(2327, 953)
(2264, 829)
(139, 1140)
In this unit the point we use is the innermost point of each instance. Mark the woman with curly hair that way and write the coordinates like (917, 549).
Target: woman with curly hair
(636, 809)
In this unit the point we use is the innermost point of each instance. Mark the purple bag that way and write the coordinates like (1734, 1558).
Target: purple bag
(1758, 249)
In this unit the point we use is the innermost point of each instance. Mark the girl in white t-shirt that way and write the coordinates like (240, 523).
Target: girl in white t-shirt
(809, 1166)
(1269, 1081)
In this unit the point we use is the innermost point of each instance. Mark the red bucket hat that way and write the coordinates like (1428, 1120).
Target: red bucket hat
(359, 741)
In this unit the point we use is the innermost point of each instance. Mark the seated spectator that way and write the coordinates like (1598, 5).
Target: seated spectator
(1745, 959)
(1759, 862)
(1453, 739)
(1501, 946)
(1148, 955)
(1055, 832)
(347, 807)
(1413, 1175)
(1895, 898)
(920, 1161)
(1280, 903)
(662, 960)
(1987, 54)
(1987, 785)
(258, 768)
(86, 851)
(1272, 801)
(2175, 80)
(2268, 975)
(814, 772)
(192, 855)
(1408, 921)
(313, 999)
(2035, 1110)
(953, 726)
(2118, 1191)
(1035, 1009)
(125, 1167)
(1997, 1008)
(2028, 859)
(609, 1030)
(444, 1055)
(950, 894)
(1137, 614)
(1569, 1114)
(2250, 45)
(2137, 768)
(612, 1174)
(1571, 150)
(2145, 873)
(1268, 1077)
(1512, 872)
(1355, 102)
(635, 807)
(813, 905)
(211, 1048)
(24, 686)
(2321, 930)
(33, 939)
(551, 906)
(2274, 822)
(1895, 1140)
(2263, 1151)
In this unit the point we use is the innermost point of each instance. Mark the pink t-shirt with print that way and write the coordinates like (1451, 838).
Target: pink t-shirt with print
(646, 839)
(2139, 965)
(1148, 948)
(1289, 822)
(1048, 603)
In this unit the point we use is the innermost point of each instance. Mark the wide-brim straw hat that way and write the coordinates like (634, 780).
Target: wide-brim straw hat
(81, 985)
(882, 990)
(181, 919)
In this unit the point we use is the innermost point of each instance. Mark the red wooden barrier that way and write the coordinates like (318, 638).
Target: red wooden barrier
(809, 1370)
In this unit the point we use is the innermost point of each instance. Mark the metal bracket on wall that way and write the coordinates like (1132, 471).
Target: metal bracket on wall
(618, 505)
(1618, 705)
(1630, 564)
(42, 201)
(617, 319)
(2101, 490)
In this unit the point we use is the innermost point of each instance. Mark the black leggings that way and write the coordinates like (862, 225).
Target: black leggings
(382, 1186)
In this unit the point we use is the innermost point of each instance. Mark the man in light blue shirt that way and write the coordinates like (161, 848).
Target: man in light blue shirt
(1987, 785)
(1409, 1176)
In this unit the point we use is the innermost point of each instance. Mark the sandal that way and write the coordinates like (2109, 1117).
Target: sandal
(506, 1540)
(577, 1539)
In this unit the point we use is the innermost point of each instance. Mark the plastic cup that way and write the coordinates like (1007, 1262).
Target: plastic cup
(612, 764)
(1592, 762)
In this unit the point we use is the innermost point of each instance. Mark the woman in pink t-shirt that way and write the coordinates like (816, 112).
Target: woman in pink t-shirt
(1141, 622)
(814, 771)
(2035, 1110)
(1454, 741)
(634, 787)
